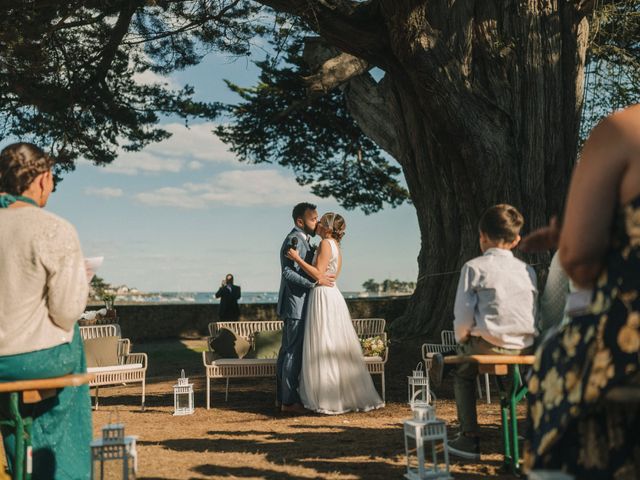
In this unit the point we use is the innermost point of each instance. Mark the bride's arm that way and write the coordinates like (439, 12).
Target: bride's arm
(318, 270)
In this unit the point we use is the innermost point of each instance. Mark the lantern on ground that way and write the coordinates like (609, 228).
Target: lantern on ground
(425, 441)
(418, 386)
(183, 396)
(114, 455)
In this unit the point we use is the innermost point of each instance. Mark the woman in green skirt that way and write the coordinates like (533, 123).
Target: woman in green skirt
(43, 291)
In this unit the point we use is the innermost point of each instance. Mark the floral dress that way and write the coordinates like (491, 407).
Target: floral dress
(570, 426)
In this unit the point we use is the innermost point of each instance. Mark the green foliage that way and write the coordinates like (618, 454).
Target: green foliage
(388, 286)
(277, 122)
(68, 69)
(613, 61)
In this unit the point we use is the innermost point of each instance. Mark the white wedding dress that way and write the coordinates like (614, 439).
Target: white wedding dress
(334, 378)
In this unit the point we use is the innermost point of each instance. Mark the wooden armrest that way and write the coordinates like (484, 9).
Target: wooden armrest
(72, 380)
(34, 391)
(491, 359)
(492, 364)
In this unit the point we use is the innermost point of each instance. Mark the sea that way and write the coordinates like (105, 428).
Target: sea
(207, 297)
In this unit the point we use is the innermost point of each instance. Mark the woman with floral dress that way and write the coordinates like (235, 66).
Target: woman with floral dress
(571, 427)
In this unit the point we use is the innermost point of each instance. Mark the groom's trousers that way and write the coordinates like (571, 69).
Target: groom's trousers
(290, 361)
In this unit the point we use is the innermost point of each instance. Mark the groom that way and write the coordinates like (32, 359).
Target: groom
(292, 305)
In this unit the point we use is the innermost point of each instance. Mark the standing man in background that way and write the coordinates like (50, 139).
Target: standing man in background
(229, 294)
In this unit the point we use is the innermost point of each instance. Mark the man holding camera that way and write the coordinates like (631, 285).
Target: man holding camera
(229, 294)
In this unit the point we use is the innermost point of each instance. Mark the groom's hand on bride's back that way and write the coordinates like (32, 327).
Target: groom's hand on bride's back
(327, 280)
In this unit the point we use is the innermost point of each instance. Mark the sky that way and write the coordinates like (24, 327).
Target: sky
(182, 213)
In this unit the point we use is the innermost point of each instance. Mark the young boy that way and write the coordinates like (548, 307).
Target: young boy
(495, 311)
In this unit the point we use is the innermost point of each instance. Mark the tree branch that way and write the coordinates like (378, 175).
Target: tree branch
(190, 26)
(333, 72)
(353, 27)
(117, 34)
(371, 105)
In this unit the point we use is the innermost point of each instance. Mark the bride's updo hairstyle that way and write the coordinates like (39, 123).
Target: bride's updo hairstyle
(335, 224)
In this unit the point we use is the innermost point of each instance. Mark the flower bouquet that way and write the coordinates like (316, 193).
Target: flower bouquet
(373, 346)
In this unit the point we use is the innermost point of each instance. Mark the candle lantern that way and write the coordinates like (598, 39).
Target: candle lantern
(420, 394)
(183, 396)
(425, 437)
(114, 454)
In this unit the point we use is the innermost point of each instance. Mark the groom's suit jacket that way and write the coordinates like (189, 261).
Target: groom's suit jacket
(294, 282)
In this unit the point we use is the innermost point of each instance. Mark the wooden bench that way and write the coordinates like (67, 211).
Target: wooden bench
(131, 367)
(31, 391)
(266, 367)
(501, 365)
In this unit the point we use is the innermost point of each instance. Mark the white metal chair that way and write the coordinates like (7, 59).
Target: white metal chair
(131, 367)
(448, 338)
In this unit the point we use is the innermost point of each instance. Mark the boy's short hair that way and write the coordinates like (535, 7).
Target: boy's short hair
(501, 222)
(299, 209)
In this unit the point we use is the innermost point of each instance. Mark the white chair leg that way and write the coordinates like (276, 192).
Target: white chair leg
(487, 387)
(226, 392)
(97, 395)
(479, 385)
(144, 386)
(208, 392)
(384, 395)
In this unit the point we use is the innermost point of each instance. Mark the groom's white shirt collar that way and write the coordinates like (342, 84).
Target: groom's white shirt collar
(306, 236)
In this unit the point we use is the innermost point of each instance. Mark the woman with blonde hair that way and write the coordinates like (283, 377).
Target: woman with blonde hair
(334, 378)
(43, 292)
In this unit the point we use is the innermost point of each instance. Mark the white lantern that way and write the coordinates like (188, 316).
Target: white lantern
(418, 385)
(183, 396)
(424, 438)
(114, 455)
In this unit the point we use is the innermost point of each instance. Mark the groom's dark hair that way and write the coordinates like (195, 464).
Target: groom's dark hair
(299, 209)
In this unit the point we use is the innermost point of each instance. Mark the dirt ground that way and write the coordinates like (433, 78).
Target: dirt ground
(246, 438)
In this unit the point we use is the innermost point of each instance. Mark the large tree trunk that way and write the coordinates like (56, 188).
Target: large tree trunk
(485, 99)
(490, 109)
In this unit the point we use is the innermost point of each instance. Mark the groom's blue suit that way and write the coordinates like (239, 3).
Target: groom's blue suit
(292, 306)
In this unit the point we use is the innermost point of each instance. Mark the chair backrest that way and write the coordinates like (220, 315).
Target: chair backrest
(362, 326)
(434, 348)
(369, 326)
(448, 337)
(99, 331)
(245, 329)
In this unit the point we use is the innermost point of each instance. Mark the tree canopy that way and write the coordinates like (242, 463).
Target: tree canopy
(70, 70)
(70, 80)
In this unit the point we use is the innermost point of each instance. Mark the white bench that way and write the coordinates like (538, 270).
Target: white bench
(266, 367)
(131, 367)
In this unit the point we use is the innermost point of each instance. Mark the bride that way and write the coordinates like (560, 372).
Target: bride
(334, 378)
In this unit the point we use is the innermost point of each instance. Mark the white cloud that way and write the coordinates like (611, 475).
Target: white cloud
(187, 147)
(239, 188)
(105, 192)
(149, 78)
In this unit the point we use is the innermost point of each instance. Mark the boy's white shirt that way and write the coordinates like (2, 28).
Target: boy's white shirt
(496, 300)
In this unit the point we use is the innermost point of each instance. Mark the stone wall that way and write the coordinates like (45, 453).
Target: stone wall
(155, 321)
